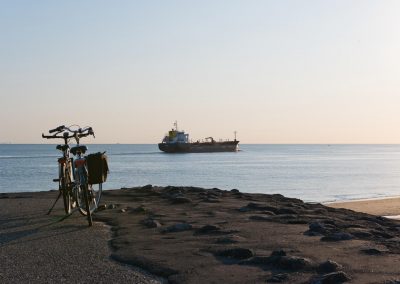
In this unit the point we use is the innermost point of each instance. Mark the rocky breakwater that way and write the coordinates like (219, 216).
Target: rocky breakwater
(197, 235)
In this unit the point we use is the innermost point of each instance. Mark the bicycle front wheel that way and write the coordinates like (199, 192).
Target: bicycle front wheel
(94, 196)
(85, 191)
(66, 194)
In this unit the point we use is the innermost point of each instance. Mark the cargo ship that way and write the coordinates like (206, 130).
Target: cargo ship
(178, 142)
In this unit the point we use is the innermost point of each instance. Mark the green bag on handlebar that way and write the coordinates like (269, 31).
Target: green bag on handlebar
(97, 168)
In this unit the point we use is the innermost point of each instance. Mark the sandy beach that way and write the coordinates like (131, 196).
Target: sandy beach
(382, 207)
(194, 235)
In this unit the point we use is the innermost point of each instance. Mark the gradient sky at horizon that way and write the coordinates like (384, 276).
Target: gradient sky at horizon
(274, 71)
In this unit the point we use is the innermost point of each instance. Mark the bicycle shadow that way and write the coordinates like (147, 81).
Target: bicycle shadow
(42, 228)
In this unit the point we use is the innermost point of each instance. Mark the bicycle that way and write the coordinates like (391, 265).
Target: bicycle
(74, 183)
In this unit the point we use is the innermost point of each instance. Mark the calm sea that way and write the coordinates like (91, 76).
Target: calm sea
(310, 172)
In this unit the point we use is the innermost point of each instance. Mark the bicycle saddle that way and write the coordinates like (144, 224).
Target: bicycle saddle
(62, 147)
(81, 148)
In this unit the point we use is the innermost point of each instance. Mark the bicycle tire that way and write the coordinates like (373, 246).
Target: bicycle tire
(94, 194)
(86, 197)
(63, 186)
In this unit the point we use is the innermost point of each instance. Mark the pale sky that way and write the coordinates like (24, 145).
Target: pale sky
(274, 71)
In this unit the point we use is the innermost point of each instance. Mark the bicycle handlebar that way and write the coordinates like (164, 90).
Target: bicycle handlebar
(58, 129)
(74, 133)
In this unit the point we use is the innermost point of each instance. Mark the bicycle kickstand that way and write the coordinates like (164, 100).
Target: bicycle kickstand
(58, 197)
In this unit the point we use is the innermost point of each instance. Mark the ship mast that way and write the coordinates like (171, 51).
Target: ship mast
(176, 125)
(235, 134)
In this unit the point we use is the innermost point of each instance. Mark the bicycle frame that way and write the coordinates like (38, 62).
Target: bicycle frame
(73, 175)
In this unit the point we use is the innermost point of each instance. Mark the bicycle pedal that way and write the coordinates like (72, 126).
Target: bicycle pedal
(56, 180)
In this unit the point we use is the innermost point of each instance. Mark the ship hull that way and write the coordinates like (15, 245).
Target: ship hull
(204, 147)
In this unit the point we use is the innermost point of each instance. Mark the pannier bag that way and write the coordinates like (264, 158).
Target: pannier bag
(97, 167)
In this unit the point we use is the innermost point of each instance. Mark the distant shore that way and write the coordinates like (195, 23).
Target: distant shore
(213, 235)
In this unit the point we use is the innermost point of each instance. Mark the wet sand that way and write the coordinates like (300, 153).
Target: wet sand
(196, 235)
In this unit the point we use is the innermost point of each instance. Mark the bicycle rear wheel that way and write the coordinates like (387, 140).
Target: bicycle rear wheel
(94, 194)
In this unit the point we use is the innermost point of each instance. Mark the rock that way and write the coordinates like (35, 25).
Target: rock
(361, 234)
(236, 253)
(260, 218)
(211, 200)
(293, 263)
(123, 210)
(151, 223)
(329, 266)
(279, 252)
(278, 278)
(286, 211)
(259, 260)
(340, 236)
(227, 240)
(244, 209)
(280, 260)
(382, 234)
(140, 209)
(180, 200)
(269, 213)
(111, 206)
(208, 229)
(147, 186)
(317, 227)
(332, 278)
(101, 207)
(298, 221)
(372, 251)
(235, 190)
(180, 227)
